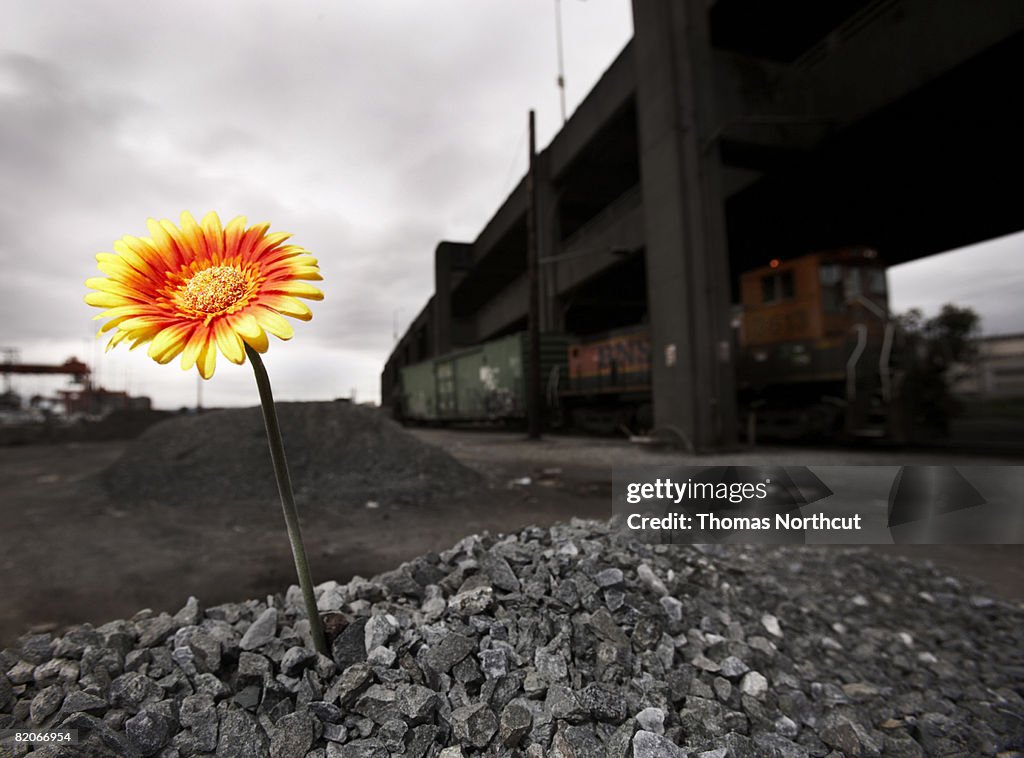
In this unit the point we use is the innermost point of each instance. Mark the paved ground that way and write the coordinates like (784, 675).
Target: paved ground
(585, 465)
(487, 448)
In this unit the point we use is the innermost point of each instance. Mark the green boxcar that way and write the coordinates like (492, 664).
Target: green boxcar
(419, 396)
(484, 382)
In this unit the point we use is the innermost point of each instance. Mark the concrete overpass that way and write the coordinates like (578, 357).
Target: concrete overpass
(731, 132)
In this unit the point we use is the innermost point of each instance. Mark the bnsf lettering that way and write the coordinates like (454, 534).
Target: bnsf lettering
(778, 325)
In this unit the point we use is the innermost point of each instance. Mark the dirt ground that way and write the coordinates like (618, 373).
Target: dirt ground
(69, 554)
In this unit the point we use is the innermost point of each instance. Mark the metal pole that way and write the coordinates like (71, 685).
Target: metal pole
(561, 61)
(534, 407)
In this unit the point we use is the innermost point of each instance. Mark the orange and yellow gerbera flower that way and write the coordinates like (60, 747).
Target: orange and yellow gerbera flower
(203, 287)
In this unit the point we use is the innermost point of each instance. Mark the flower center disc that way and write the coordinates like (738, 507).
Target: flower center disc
(213, 290)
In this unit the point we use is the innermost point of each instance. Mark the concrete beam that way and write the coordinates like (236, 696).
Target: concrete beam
(872, 60)
(595, 248)
(502, 311)
(598, 245)
(612, 91)
(511, 212)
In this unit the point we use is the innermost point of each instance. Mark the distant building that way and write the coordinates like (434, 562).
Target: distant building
(96, 401)
(997, 371)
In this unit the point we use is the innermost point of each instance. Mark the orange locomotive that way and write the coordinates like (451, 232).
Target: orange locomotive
(814, 347)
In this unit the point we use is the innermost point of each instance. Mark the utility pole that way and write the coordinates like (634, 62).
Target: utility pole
(534, 408)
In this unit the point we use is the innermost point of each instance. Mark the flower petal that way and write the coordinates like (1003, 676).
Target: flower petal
(112, 287)
(214, 234)
(228, 341)
(165, 245)
(295, 289)
(186, 247)
(245, 324)
(233, 234)
(105, 300)
(287, 306)
(273, 323)
(252, 237)
(131, 309)
(297, 272)
(169, 342)
(260, 342)
(120, 271)
(115, 339)
(206, 361)
(143, 265)
(194, 236)
(193, 347)
(268, 243)
(160, 261)
(110, 325)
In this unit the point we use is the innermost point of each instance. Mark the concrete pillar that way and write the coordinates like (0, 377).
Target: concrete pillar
(687, 255)
(443, 298)
(548, 244)
(449, 258)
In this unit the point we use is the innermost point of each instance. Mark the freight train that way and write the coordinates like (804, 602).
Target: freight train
(817, 356)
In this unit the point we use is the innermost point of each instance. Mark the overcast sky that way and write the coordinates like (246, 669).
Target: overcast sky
(370, 130)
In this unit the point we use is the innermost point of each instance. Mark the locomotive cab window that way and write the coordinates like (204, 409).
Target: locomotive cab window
(876, 281)
(776, 287)
(833, 299)
(852, 284)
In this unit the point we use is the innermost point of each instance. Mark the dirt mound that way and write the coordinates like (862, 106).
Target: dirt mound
(337, 454)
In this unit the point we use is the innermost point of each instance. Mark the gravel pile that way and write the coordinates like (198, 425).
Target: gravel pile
(568, 642)
(337, 453)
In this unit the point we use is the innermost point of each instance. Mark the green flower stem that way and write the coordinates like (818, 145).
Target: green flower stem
(284, 487)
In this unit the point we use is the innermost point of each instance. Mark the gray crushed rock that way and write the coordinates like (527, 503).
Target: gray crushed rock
(712, 651)
(223, 456)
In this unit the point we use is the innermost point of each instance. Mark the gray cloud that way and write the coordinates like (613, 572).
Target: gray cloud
(988, 277)
(369, 130)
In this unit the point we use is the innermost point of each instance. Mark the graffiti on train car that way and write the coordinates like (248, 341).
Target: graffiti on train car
(617, 354)
(496, 400)
(628, 353)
